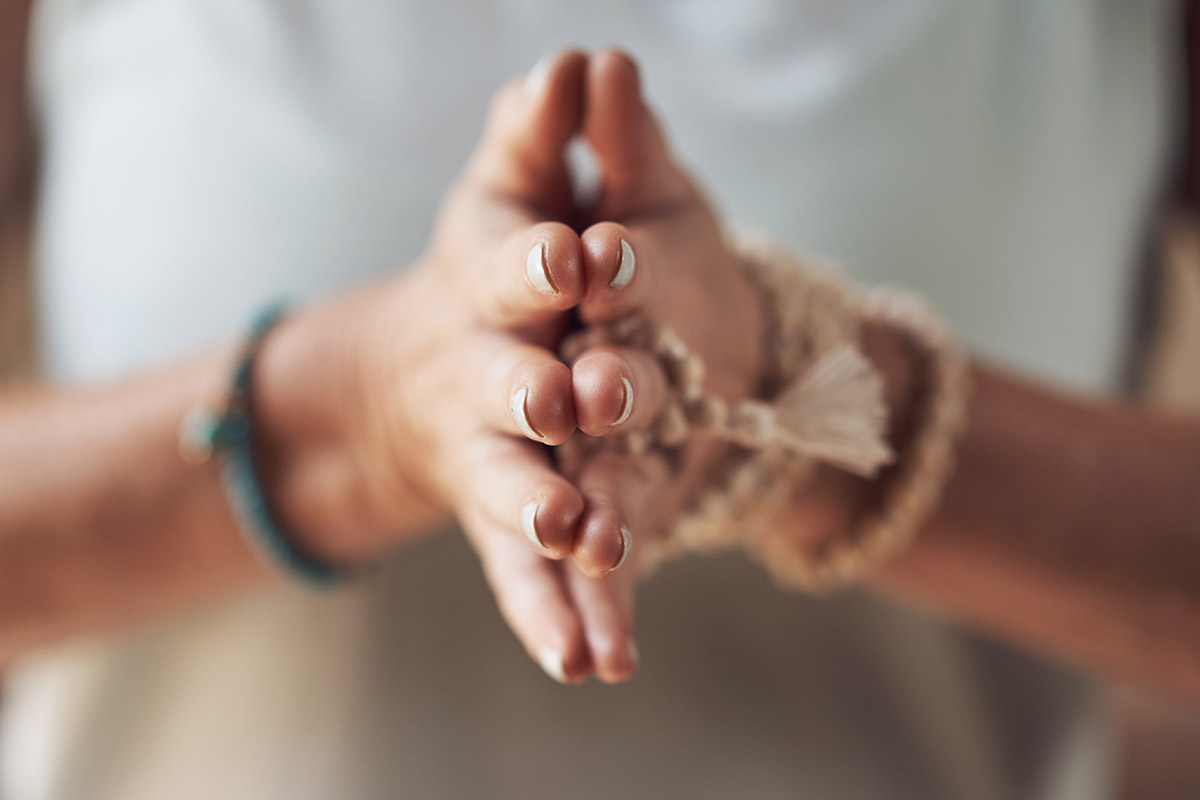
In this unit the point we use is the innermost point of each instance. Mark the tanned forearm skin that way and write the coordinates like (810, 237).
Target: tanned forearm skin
(100, 519)
(1072, 527)
(102, 523)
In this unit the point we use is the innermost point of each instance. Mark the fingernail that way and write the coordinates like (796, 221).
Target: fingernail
(627, 409)
(521, 415)
(529, 524)
(536, 271)
(634, 655)
(551, 662)
(626, 545)
(536, 79)
(625, 271)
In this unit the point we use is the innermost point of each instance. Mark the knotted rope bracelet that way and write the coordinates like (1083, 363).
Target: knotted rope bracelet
(823, 402)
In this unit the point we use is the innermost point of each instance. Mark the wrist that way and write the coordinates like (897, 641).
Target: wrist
(926, 381)
(889, 351)
(836, 501)
(326, 473)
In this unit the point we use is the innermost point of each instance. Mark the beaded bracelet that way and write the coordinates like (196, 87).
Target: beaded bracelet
(230, 434)
(821, 401)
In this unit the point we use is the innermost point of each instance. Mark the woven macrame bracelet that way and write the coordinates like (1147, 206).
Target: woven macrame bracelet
(821, 401)
(915, 486)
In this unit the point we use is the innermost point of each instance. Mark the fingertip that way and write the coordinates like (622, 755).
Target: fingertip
(553, 265)
(637, 171)
(557, 85)
(539, 74)
(537, 272)
(626, 546)
(618, 66)
(603, 395)
(617, 388)
(615, 659)
(563, 651)
(569, 668)
(626, 267)
(606, 611)
(531, 120)
(604, 542)
(612, 270)
(551, 518)
(542, 402)
(577, 664)
(532, 598)
(558, 69)
(614, 89)
(552, 662)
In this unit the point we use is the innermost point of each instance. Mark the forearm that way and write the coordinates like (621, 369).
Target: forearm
(100, 520)
(102, 523)
(1072, 527)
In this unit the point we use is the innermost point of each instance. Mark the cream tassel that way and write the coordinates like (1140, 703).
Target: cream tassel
(835, 412)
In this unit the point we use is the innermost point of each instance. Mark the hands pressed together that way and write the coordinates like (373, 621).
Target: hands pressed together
(467, 388)
(471, 387)
(457, 385)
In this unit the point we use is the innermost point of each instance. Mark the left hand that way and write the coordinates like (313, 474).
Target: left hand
(685, 277)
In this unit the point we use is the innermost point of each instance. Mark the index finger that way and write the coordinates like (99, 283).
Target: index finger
(534, 274)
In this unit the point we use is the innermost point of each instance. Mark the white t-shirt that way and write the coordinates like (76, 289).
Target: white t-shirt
(203, 156)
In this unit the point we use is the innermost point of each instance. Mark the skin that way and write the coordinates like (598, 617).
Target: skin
(1047, 536)
(363, 460)
(1071, 525)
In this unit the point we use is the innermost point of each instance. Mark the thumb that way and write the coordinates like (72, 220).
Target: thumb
(637, 172)
(531, 121)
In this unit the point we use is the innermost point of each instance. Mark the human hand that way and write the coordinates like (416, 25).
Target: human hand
(432, 364)
(452, 389)
(692, 284)
(649, 214)
(698, 289)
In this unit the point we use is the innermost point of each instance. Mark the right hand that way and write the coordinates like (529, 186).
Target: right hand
(449, 389)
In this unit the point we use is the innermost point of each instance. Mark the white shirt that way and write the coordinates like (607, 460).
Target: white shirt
(203, 156)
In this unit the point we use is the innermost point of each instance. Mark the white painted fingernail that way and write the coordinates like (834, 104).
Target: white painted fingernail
(551, 662)
(520, 415)
(529, 524)
(536, 271)
(536, 79)
(626, 545)
(628, 407)
(625, 271)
